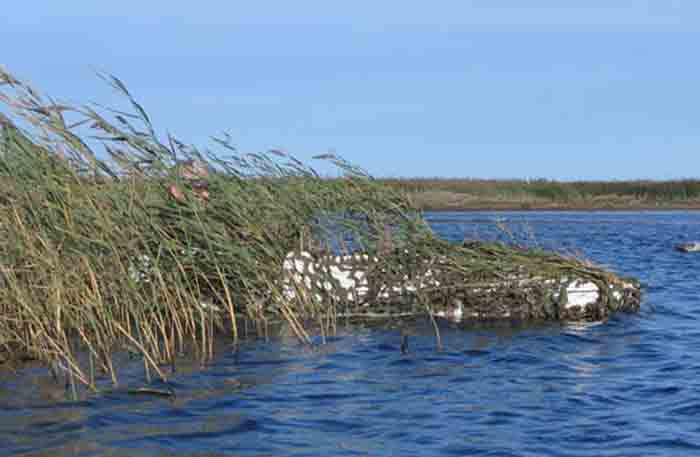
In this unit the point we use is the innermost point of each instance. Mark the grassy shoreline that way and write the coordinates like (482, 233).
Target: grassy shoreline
(499, 206)
(438, 194)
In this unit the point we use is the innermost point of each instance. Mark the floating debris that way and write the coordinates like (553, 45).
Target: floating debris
(169, 393)
(688, 247)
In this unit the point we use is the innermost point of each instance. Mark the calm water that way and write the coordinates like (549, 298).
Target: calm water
(630, 386)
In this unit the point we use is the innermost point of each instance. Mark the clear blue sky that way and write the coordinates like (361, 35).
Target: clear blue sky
(562, 89)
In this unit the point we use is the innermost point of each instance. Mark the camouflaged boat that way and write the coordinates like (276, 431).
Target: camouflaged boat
(479, 283)
(473, 282)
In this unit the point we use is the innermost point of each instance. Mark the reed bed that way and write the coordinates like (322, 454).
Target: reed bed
(87, 204)
(107, 246)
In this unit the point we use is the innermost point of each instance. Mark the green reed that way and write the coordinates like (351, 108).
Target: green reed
(85, 196)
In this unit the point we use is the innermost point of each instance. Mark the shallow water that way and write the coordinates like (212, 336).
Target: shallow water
(630, 386)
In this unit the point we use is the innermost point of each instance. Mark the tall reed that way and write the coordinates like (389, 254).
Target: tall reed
(96, 253)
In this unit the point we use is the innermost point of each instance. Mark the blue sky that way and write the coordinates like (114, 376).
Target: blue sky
(491, 89)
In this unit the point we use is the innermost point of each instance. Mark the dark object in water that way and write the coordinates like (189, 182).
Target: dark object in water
(693, 246)
(404, 344)
(155, 392)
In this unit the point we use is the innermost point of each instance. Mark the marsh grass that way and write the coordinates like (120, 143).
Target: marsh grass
(84, 206)
(84, 203)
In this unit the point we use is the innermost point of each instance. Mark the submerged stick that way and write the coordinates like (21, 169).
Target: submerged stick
(146, 355)
(436, 328)
(170, 393)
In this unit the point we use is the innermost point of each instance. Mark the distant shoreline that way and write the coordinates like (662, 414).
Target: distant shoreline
(466, 204)
(445, 194)
(535, 208)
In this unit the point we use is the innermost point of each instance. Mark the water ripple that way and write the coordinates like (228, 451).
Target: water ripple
(625, 387)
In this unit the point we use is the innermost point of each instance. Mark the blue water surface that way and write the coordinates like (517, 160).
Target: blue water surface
(626, 387)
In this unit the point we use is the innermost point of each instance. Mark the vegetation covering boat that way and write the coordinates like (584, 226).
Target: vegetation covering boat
(448, 286)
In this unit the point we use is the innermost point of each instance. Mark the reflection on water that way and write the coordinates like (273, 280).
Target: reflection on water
(628, 386)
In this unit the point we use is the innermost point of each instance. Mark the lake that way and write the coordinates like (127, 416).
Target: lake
(629, 386)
